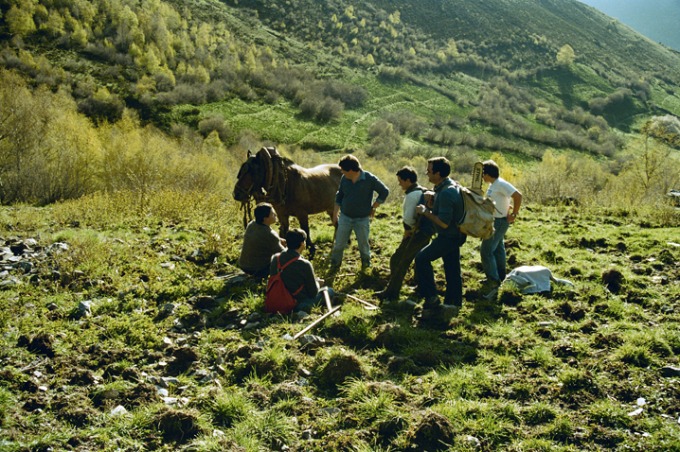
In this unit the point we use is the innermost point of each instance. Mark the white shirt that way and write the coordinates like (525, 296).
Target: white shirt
(500, 191)
(411, 200)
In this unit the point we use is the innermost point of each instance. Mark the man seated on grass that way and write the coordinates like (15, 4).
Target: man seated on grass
(299, 276)
(260, 242)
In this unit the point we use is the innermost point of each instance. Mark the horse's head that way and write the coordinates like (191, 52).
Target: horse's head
(250, 178)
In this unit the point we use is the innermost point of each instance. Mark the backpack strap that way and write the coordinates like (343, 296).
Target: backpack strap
(280, 269)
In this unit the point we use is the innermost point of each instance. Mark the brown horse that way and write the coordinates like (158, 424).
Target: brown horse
(291, 189)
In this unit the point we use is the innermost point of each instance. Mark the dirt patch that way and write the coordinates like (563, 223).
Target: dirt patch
(41, 344)
(433, 432)
(177, 426)
(336, 369)
(184, 358)
(613, 280)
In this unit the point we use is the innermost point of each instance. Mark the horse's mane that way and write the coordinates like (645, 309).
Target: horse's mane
(277, 167)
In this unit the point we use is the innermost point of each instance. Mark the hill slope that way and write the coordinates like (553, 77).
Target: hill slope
(519, 77)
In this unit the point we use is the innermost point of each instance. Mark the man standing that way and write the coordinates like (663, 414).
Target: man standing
(446, 213)
(260, 242)
(354, 208)
(417, 232)
(299, 276)
(493, 248)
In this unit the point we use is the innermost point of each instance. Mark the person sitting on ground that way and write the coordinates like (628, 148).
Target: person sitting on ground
(260, 242)
(299, 276)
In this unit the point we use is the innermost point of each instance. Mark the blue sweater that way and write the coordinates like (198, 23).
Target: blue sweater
(356, 198)
(448, 206)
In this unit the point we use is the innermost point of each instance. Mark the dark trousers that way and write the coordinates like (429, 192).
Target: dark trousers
(447, 248)
(401, 260)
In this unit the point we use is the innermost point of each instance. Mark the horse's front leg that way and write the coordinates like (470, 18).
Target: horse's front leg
(284, 224)
(304, 224)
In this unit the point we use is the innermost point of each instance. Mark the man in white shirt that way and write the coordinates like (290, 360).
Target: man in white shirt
(508, 201)
(417, 232)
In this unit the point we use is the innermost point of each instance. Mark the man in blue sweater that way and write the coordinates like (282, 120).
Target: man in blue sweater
(446, 213)
(354, 209)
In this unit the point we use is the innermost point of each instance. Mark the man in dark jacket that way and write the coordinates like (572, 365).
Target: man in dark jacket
(446, 213)
(354, 209)
(299, 276)
(260, 242)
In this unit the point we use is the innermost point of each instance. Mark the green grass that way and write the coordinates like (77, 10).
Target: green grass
(558, 371)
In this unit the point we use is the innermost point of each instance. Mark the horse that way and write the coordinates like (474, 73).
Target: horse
(291, 189)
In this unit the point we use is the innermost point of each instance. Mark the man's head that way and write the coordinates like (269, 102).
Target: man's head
(295, 239)
(350, 163)
(265, 214)
(438, 169)
(490, 169)
(406, 177)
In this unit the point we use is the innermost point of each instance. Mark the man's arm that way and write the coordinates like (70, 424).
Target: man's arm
(424, 211)
(383, 192)
(516, 203)
(381, 189)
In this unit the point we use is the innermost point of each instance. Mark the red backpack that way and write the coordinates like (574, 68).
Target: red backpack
(278, 299)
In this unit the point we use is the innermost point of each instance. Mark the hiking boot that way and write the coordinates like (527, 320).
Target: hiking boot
(489, 285)
(491, 294)
(385, 295)
(431, 302)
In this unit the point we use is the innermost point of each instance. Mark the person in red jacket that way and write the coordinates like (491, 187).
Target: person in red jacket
(298, 277)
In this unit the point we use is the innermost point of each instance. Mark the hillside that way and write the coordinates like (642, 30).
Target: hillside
(458, 76)
(656, 19)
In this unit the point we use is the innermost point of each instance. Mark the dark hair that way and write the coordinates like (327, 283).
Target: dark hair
(295, 238)
(408, 173)
(491, 168)
(440, 165)
(262, 211)
(350, 163)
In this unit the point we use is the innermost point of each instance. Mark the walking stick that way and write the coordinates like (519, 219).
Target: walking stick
(317, 321)
(368, 306)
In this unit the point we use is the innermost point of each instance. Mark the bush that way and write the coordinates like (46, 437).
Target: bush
(217, 124)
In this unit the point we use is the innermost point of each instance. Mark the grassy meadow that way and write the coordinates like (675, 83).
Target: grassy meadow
(124, 328)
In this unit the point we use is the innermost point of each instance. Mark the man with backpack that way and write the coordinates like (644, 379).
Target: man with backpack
(446, 213)
(492, 250)
(417, 232)
(297, 275)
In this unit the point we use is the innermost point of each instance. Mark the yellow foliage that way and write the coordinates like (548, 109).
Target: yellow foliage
(566, 55)
(507, 172)
(19, 19)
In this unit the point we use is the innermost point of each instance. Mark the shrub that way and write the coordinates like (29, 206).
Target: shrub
(217, 124)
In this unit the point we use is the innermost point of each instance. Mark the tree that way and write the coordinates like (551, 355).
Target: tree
(566, 55)
(20, 19)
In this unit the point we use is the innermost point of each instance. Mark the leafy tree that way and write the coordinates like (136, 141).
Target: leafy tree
(215, 124)
(19, 18)
(385, 139)
(566, 55)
